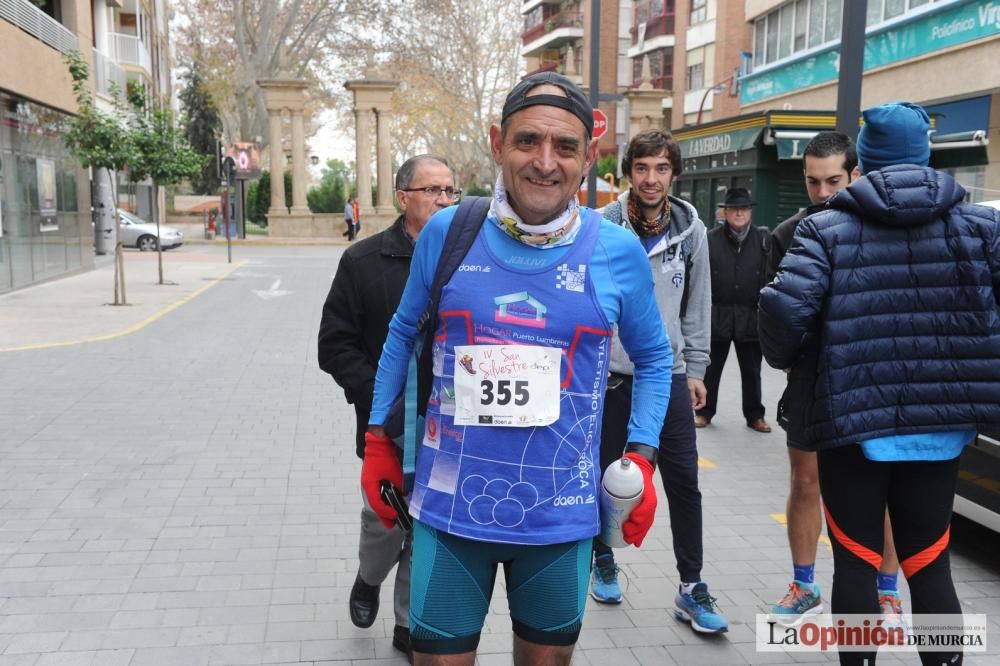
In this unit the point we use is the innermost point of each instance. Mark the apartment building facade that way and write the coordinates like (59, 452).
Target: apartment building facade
(942, 54)
(556, 37)
(939, 53)
(45, 197)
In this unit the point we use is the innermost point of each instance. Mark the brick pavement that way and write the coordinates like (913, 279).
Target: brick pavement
(187, 495)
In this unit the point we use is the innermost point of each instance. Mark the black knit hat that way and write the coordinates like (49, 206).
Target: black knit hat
(575, 101)
(737, 197)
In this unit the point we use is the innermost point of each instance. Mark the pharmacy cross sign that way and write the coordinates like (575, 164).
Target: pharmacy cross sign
(600, 124)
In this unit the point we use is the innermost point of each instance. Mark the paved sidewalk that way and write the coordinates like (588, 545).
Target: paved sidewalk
(78, 307)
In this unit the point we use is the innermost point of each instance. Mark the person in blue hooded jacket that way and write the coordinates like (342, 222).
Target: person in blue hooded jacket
(898, 279)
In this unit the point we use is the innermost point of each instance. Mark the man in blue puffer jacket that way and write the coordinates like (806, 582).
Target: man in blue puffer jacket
(899, 279)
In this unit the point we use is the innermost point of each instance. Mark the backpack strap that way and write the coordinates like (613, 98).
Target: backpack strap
(462, 233)
(687, 247)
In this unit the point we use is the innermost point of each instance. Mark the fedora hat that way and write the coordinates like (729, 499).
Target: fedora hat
(737, 197)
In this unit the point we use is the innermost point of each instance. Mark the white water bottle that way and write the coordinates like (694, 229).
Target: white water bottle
(621, 490)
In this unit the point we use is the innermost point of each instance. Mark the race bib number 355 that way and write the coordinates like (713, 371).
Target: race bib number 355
(506, 385)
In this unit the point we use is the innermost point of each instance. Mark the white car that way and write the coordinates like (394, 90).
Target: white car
(137, 232)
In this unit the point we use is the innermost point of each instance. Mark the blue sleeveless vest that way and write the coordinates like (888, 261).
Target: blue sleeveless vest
(536, 485)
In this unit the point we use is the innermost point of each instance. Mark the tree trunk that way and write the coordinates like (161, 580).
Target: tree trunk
(155, 207)
(119, 254)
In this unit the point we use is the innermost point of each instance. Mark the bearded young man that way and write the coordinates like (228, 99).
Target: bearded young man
(674, 238)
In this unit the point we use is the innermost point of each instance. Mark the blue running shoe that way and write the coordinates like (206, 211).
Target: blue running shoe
(604, 580)
(700, 610)
(801, 601)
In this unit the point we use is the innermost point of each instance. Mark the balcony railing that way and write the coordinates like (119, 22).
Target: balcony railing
(655, 27)
(131, 51)
(553, 22)
(26, 16)
(107, 72)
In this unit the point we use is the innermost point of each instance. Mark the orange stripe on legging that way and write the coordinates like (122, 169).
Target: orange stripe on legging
(915, 563)
(866, 554)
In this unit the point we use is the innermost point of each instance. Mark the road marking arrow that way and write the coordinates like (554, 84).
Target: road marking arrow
(273, 292)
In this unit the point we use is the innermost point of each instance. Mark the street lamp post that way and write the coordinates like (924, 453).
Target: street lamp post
(716, 89)
(593, 80)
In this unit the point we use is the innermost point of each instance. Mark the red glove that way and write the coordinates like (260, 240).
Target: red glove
(641, 519)
(380, 463)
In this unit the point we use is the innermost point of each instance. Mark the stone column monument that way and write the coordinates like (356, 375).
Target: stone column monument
(645, 103)
(383, 149)
(374, 94)
(299, 175)
(286, 95)
(363, 165)
(277, 157)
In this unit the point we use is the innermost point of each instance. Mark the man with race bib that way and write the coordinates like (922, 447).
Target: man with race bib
(506, 472)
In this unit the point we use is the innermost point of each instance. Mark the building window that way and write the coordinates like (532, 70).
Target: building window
(661, 69)
(699, 11)
(758, 47)
(534, 17)
(894, 8)
(772, 37)
(883, 10)
(696, 76)
(815, 37)
(833, 20)
(799, 30)
(785, 18)
(798, 25)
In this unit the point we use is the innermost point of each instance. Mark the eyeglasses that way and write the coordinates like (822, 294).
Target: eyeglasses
(434, 191)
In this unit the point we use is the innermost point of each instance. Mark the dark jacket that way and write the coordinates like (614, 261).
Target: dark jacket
(794, 411)
(900, 281)
(363, 297)
(739, 270)
(781, 236)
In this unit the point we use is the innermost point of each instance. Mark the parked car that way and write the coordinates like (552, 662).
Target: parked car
(977, 496)
(137, 232)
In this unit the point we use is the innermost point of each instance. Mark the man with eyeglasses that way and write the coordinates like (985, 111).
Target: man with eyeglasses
(364, 294)
(506, 472)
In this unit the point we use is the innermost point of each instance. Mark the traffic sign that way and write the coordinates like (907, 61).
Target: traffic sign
(600, 124)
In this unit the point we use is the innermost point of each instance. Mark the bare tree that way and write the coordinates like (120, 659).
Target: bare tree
(456, 61)
(242, 41)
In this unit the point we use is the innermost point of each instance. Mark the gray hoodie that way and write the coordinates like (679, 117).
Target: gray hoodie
(690, 335)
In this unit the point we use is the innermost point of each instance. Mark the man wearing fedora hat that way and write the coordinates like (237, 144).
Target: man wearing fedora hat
(738, 256)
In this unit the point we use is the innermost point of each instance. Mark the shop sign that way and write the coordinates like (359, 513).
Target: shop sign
(791, 149)
(965, 23)
(723, 142)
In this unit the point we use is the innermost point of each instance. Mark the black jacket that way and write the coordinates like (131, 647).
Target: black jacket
(362, 300)
(738, 273)
(781, 237)
(796, 403)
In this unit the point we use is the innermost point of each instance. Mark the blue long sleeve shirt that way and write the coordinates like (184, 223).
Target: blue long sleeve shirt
(624, 286)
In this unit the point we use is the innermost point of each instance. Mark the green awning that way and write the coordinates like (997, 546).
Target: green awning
(724, 142)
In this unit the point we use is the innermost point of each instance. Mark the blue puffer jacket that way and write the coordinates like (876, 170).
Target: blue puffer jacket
(900, 280)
